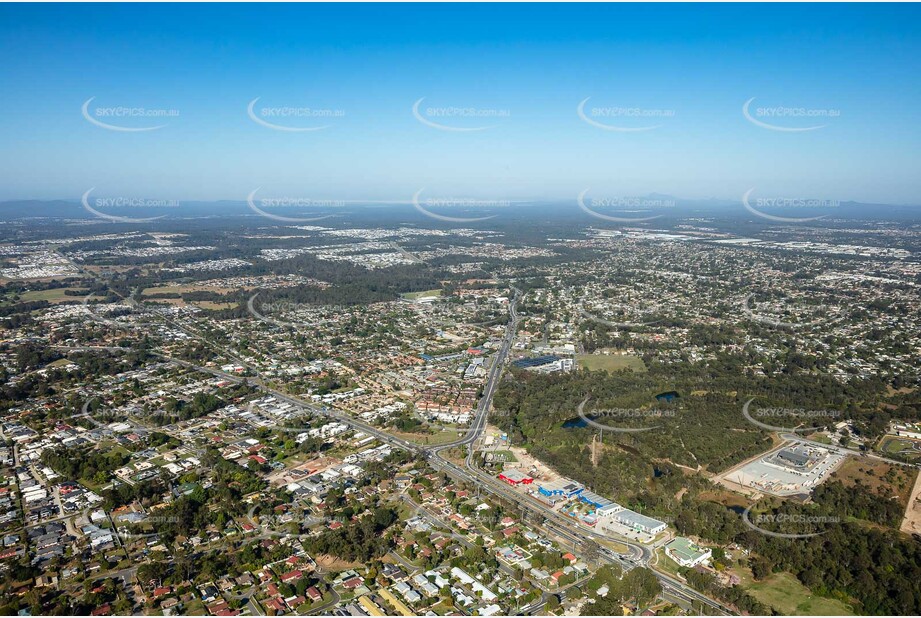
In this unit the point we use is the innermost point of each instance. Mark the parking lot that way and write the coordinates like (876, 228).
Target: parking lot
(769, 474)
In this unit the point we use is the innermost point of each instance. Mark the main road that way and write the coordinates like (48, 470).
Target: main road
(842, 450)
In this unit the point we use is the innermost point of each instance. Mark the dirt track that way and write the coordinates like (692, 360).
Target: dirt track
(911, 523)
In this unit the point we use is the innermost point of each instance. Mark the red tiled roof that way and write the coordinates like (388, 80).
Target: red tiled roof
(292, 575)
(354, 582)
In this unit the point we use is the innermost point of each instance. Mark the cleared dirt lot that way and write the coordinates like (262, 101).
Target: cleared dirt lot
(911, 523)
(526, 463)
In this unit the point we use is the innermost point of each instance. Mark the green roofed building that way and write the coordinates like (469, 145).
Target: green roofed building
(686, 553)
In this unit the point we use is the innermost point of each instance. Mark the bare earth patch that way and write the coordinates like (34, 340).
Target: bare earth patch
(332, 563)
(911, 523)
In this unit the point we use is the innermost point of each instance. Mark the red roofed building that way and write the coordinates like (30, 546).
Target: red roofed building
(514, 476)
(216, 608)
(290, 576)
(296, 601)
(277, 604)
(352, 583)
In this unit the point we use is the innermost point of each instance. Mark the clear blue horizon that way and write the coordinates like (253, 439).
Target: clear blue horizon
(666, 86)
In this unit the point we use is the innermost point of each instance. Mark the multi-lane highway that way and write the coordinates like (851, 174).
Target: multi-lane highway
(492, 382)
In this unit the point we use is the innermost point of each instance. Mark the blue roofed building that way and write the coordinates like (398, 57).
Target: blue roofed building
(537, 361)
(594, 499)
(561, 488)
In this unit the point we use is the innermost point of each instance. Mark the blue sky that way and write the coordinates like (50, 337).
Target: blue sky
(532, 65)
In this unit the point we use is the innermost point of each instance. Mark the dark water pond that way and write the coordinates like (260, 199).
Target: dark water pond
(576, 423)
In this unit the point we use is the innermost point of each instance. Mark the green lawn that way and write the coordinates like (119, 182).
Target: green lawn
(666, 564)
(429, 439)
(443, 609)
(505, 456)
(52, 296)
(417, 295)
(892, 445)
(195, 608)
(783, 592)
(610, 362)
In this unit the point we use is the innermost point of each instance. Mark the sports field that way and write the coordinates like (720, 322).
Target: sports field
(610, 362)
